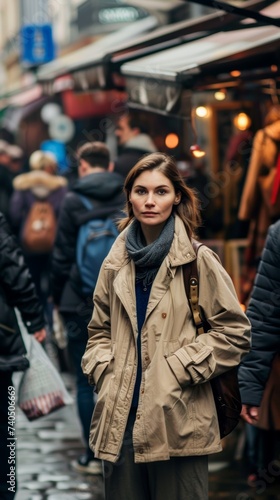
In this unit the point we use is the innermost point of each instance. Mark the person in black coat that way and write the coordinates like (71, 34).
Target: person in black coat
(16, 290)
(259, 371)
(104, 189)
(133, 140)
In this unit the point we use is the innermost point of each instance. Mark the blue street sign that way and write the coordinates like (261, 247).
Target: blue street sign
(58, 149)
(37, 45)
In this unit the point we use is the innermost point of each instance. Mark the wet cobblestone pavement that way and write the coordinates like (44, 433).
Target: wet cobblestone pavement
(46, 447)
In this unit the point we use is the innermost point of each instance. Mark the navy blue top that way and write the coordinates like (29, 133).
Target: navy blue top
(142, 299)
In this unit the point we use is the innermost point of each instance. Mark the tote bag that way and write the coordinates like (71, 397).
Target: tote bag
(41, 389)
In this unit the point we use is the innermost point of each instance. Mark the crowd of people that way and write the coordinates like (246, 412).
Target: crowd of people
(142, 374)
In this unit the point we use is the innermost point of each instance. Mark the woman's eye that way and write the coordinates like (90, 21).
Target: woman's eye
(140, 191)
(161, 191)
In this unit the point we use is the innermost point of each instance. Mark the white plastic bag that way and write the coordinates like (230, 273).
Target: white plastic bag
(41, 389)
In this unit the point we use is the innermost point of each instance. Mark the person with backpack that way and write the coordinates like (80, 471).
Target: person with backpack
(155, 420)
(34, 209)
(86, 231)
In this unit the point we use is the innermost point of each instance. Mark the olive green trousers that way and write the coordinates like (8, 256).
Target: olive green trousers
(180, 478)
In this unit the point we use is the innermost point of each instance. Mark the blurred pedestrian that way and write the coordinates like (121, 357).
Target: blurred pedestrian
(103, 191)
(16, 290)
(253, 205)
(155, 421)
(133, 140)
(259, 373)
(236, 161)
(6, 181)
(4, 154)
(16, 154)
(42, 187)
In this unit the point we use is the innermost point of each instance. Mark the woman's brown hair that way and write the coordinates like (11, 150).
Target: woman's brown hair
(187, 209)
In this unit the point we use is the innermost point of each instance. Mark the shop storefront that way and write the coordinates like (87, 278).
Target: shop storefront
(216, 89)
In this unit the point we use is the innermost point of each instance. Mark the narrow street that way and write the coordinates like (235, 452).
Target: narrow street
(47, 446)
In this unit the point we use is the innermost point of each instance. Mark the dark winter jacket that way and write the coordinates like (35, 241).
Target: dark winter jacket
(16, 290)
(132, 151)
(264, 314)
(105, 190)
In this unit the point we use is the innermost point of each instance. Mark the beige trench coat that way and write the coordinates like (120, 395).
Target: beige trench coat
(176, 414)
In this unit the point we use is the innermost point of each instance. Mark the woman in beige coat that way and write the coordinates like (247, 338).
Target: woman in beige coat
(155, 420)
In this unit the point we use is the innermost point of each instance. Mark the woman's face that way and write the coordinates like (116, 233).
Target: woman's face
(152, 198)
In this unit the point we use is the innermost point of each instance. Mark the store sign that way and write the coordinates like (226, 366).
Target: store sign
(154, 94)
(94, 14)
(118, 15)
(79, 105)
(37, 45)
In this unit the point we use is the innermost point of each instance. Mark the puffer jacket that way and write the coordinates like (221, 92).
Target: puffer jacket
(264, 314)
(176, 415)
(16, 290)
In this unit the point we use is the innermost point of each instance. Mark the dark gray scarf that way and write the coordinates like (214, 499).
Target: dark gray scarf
(148, 258)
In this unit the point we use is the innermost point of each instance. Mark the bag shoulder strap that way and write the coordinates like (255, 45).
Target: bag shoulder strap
(191, 282)
(86, 202)
(98, 211)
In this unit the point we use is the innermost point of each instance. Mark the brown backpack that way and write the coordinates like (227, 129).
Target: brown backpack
(39, 229)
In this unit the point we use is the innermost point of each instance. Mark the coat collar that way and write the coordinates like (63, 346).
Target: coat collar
(180, 253)
(181, 250)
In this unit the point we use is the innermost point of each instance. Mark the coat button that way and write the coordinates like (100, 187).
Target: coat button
(138, 416)
(163, 315)
(141, 451)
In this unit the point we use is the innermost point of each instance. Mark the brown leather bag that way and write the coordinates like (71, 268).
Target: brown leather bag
(225, 387)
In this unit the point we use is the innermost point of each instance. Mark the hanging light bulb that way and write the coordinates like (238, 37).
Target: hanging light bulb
(235, 73)
(201, 111)
(196, 151)
(242, 121)
(220, 95)
(171, 141)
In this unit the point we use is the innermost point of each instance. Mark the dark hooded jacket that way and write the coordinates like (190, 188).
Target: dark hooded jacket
(16, 290)
(264, 314)
(132, 151)
(105, 191)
